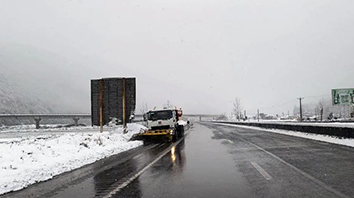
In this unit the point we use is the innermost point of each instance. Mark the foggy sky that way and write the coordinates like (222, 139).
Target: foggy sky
(199, 55)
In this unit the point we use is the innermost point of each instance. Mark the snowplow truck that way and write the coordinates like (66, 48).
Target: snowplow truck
(163, 125)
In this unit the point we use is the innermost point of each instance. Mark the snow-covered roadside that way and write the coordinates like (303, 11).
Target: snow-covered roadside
(17, 133)
(47, 127)
(33, 159)
(318, 137)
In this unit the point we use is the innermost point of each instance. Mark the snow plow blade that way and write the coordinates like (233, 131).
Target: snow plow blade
(154, 136)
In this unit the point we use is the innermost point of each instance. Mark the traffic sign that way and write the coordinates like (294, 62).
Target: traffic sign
(343, 96)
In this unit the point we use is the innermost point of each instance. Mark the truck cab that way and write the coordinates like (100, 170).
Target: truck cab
(161, 119)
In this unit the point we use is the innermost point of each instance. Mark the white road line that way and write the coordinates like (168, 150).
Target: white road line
(132, 178)
(261, 171)
(323, 185)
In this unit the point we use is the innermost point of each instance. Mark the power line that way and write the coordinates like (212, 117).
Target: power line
(317, 96)
(293, 100)
(274, 106)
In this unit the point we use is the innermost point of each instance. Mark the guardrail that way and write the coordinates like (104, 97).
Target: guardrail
(38, 117)
(341, 132)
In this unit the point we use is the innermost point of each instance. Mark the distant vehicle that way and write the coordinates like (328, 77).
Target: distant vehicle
(163, 124)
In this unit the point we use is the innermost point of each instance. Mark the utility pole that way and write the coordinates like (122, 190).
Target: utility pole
(258, 115)
(300, 109)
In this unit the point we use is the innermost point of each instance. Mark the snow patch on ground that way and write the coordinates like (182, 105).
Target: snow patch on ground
(28, 160)
(318, 137)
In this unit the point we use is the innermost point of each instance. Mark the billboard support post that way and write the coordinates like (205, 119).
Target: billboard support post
(101, 105)
(124, 107)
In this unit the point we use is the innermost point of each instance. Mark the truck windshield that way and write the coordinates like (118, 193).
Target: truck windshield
(160, 115)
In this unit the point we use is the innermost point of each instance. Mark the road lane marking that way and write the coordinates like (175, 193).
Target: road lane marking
(318, 182)
(132, 178)
(261, 171)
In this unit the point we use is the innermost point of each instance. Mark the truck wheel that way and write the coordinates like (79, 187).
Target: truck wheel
(181, 131)
(174, 137)
(178, 132)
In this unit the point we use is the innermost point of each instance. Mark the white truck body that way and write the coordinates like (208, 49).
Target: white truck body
(161, 119)
(162, 124)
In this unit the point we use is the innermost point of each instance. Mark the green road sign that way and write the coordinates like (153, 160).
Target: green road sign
(342, 96)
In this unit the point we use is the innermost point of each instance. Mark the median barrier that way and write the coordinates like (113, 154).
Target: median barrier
(341, 132)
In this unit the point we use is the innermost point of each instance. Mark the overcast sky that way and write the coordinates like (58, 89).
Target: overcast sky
(200, 55)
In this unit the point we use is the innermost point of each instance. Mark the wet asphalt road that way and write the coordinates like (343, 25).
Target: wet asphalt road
(214, 161)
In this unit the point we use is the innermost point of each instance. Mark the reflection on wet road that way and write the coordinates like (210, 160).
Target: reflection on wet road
(197, 167)
(116, 171)
(213, 161)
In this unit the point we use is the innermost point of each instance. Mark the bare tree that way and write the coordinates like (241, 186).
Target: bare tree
(144, 108)
(231, 116)
(221, 117)
(320, 107)
(237, 110)
(168, 105)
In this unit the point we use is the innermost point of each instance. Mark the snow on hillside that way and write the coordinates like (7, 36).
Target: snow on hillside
(14, 99)
(30, 159)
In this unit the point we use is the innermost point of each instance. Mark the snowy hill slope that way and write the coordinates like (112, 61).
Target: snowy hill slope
(41, 77)
(14, 99)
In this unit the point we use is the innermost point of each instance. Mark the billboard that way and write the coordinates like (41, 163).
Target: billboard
(342, 96)
(113, 98)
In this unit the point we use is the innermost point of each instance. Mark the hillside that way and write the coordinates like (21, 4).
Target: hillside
(15, 99)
